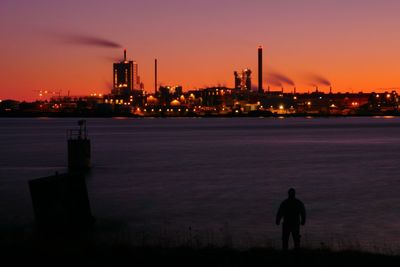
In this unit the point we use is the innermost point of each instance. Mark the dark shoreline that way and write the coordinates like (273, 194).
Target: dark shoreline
(27, 247)
(67, 253)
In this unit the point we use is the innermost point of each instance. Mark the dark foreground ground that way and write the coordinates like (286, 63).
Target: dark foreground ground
(56, 252)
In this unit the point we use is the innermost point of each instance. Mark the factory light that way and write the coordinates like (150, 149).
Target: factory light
(281, 107)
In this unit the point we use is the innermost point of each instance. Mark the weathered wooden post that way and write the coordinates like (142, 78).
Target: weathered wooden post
(61, 203)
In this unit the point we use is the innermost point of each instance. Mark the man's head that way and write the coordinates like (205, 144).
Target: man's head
(292, 193)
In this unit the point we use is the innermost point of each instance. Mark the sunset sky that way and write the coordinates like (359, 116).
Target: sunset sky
(355, 44)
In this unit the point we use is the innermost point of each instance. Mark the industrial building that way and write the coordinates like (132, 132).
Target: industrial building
(243, 80)
(126, 77)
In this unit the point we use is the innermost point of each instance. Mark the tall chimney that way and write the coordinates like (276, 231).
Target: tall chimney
(125, 54)
(155, 76)
(260, 69)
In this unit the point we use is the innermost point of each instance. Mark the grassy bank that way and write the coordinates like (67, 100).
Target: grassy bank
(147, 256)
(50, 251)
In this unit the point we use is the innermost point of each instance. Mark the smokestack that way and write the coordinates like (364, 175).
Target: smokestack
(260, 69)
(125, 54)
(155, 76)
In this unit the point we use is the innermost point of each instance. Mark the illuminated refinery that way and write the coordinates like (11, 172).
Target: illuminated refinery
(129, 98)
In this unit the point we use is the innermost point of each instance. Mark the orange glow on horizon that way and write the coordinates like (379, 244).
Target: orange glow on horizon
(354, 46)
(94, 74)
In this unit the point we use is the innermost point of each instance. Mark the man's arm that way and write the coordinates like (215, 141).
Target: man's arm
(303, 214)
(279, 215)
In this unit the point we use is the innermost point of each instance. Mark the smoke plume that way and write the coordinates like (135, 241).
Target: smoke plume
(275, 76)
(318, 80)
(80, 39)
(271, 80)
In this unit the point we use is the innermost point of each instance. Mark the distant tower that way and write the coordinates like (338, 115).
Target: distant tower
(123, 77)
(243, 80)
(155, 76)
(260, 69)
(136, 78)
(238, 80)
(247, 79)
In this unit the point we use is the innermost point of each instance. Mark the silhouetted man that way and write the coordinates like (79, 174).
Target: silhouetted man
(293, 213)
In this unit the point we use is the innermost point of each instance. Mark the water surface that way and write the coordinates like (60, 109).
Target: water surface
(220, 175)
